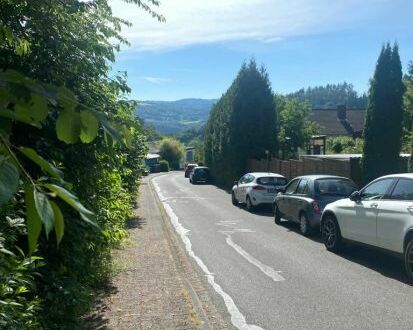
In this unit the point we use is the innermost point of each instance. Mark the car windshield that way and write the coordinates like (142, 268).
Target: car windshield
(272, 181)
(335, 187)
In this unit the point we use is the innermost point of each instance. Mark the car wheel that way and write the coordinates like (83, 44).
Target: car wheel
(408, 259)
(330, 233)
(305, 227)
(234, 200)
(250, 207)
(277, 216)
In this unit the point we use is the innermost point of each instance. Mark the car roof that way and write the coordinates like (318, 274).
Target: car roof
(400, 175)
(321, 176)
(202, 167)
(260, 174)
(192, 164)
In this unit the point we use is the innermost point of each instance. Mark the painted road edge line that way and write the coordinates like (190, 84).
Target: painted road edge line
(237, 318)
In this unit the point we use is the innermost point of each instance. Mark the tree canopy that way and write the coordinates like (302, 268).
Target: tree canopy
(295, 128)
(384, 117)
(330, 96)
(241, 125)
(172, 151)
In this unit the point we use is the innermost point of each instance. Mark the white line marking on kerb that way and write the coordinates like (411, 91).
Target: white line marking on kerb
(267, 270)
(237, 318)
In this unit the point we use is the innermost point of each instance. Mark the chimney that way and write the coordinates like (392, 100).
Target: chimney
(341, 112)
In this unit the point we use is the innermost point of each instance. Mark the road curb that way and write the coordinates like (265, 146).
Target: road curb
(201, 317)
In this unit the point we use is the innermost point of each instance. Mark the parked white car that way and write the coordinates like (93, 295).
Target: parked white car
(380, 215)
(257, 188)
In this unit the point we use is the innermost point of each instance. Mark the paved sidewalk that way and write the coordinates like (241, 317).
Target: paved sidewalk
(157, 287)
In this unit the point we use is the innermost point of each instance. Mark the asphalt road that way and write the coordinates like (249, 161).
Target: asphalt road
(270, 277)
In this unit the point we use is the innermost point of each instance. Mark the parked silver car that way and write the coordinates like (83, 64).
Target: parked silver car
(257, 188)
(305, 197)
(380, 215)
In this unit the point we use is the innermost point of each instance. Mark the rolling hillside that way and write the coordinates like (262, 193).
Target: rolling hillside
(175, 116)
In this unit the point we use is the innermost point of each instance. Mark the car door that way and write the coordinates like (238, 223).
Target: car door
(297, 200)
(395, 215)
(238, 188)
(249, 178)
(284, 201)
(358, 219)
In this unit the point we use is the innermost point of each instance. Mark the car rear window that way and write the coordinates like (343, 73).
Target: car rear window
(202, 171)
(272, 181)
(334, 187)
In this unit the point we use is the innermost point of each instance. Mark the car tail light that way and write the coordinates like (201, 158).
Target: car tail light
(315, 206)
(258, 188)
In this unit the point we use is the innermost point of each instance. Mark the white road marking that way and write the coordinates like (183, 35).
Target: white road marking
(267, 270)
(237, 318)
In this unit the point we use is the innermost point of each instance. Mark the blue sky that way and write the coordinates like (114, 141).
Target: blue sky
(199, 50)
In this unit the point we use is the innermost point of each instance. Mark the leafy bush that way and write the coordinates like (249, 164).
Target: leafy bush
(173, 151)
(164, 166)
(344, 144)
(71, 156)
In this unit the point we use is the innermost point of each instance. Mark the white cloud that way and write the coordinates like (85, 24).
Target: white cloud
(191, 22)
(156, 80)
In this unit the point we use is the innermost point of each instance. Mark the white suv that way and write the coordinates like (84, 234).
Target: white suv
(381, 215)
(257, 188)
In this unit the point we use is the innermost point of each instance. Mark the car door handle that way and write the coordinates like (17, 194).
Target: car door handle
(374, 205)
(410, 208)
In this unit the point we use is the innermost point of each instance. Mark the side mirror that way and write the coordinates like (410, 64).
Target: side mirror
(235, 183)
(355, 196)
(280, 189)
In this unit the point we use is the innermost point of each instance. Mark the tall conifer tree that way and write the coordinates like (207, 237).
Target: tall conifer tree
(383, 126)
(242, 125)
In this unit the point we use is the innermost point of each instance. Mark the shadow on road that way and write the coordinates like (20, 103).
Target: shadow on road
(380, 261)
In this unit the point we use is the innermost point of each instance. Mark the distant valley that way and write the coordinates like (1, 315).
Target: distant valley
(171, 117)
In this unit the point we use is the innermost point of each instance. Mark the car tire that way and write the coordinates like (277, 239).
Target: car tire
(234, 200)
(277, 216)
(305, 227)
(249, 205)
(330, 233)
(408, 259)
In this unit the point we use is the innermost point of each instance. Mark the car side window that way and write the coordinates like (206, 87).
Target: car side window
(292, 187)
(250, 178)
(303, 187)
(403, 190)
(376, 190)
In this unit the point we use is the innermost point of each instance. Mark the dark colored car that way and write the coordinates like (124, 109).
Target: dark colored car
(304, 198)
(189, 168)
(199, 174)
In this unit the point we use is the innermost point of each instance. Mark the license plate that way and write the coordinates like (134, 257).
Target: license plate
(271, 190)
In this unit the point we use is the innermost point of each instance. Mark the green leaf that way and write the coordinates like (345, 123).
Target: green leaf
(127, 136)
(67, 99)
(34, 224)
(72, 200)
(59, 224)
(5, 113)
(43, 163)
(35, 111)
(45, 211)
(68, 126)
(114, 133)
(89, 126)
(9, 180)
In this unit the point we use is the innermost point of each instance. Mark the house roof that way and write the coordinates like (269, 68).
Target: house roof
(330, 124)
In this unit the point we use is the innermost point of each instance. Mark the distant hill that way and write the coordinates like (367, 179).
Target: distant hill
(171, 117)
